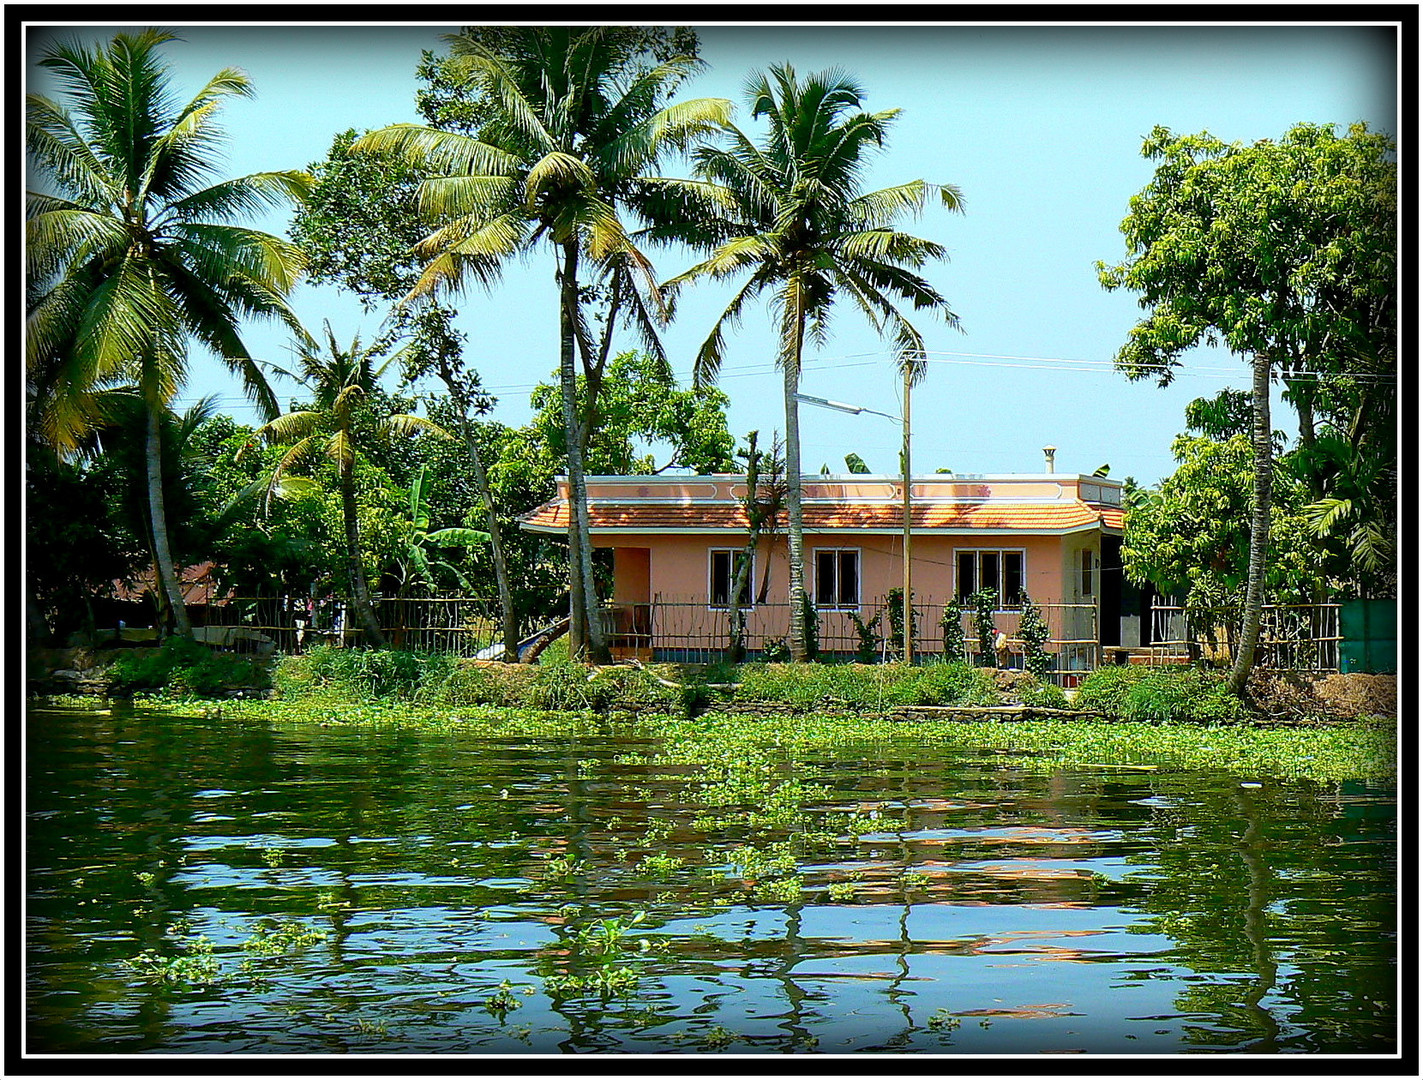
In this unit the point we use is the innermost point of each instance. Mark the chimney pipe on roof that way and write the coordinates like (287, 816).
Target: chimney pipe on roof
(1048, 452)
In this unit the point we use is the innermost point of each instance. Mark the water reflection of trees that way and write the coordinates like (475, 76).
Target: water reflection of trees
(1250, 881)
(1267, 892)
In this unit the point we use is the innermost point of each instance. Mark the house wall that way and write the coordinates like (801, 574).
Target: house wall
(675, 568)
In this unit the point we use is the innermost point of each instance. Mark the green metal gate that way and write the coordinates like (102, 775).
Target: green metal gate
(1369, 636)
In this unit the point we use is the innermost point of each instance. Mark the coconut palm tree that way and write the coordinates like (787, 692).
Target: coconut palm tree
(131, 251)
(787, 213)
(575, 123)
(340, 424)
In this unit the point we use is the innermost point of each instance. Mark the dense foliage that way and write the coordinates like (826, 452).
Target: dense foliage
(1284, 253)
(131, 254)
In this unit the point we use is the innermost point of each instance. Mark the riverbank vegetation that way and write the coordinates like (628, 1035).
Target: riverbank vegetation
(1119, 717)
(1170, 694)
(742, 746)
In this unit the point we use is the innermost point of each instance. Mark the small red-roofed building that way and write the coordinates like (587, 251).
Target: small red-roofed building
(1055, 537)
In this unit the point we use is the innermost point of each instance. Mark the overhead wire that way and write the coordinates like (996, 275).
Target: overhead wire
(967, 359)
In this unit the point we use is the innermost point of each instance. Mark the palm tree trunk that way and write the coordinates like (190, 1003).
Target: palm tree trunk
(158, 522)
(496, 543)
(568, 386)
(794, 531)
(1259, 526)
(370, 626)
(736, 615)
(580, 547)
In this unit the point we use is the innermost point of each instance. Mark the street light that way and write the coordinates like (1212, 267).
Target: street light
(856, 410)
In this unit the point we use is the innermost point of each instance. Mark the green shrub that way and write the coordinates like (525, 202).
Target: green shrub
(875, 686)
(867, 651)
(775, 651)
(955, 683)
(985, 602)
(1034, 632)
(565, 686)
(894, 604)
(951, 622)
(1161, 695)
(1044, 696)
(812, 627)
(471, 683)
(632, 688)
(796, 684)
(293, 678)
(1102, 691)
(367, 674)
(186, 668)
(1182, 695)
(559, 684)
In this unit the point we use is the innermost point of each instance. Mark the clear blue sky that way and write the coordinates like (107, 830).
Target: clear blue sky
(1041, 128)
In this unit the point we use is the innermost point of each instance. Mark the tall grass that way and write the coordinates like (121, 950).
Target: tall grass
(1161, 695)
(872, 686)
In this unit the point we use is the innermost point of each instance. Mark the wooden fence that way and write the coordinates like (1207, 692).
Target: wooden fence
(1293, 637)
(460, 626)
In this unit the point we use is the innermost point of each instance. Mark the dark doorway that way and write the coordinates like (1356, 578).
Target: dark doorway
(1111, 610)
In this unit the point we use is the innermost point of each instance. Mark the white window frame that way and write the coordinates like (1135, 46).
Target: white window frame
(815, 581)
(731, 564)
(978, 554)
(1089, 565)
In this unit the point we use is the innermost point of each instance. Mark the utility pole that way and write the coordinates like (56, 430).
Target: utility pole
(908, 561)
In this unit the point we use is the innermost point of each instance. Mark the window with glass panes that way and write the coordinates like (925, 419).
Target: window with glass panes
(837, 578)
(998, 569)
(721, 574)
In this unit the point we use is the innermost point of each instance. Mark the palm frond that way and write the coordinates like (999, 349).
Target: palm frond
(220, 252)
(1326, 515)
(482, 243)
(676, 127)
(62, 236)
(480, 198)
(707, 363)
(556, 170)
(245, 196)
(288, 428)
(56, 144)
(730, 258)
(402, 425)
(296, 455)
(341, 449)
(441, 152)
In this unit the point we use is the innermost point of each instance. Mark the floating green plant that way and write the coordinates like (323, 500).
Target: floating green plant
(281, 938)
(943, 1020)
(194, 966)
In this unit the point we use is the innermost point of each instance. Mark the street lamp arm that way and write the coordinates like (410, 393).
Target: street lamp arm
(906, 495)
(840, 406)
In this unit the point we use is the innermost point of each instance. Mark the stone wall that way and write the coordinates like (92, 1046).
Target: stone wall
(958, 714)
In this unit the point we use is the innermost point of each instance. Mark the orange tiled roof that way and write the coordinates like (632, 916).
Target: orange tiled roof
(1015, 517)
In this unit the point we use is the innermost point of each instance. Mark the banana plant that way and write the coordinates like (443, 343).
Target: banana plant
(420, 559)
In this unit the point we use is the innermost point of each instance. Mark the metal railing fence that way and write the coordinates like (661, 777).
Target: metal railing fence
(690, 631)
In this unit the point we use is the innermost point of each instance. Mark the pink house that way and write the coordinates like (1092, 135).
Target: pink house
(1055, 537)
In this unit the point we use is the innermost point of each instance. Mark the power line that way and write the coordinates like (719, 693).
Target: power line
(996, 360)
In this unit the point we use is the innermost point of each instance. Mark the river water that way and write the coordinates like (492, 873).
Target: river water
(221, 886)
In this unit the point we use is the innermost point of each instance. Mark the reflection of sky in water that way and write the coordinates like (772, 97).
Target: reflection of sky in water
(1052, 913)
